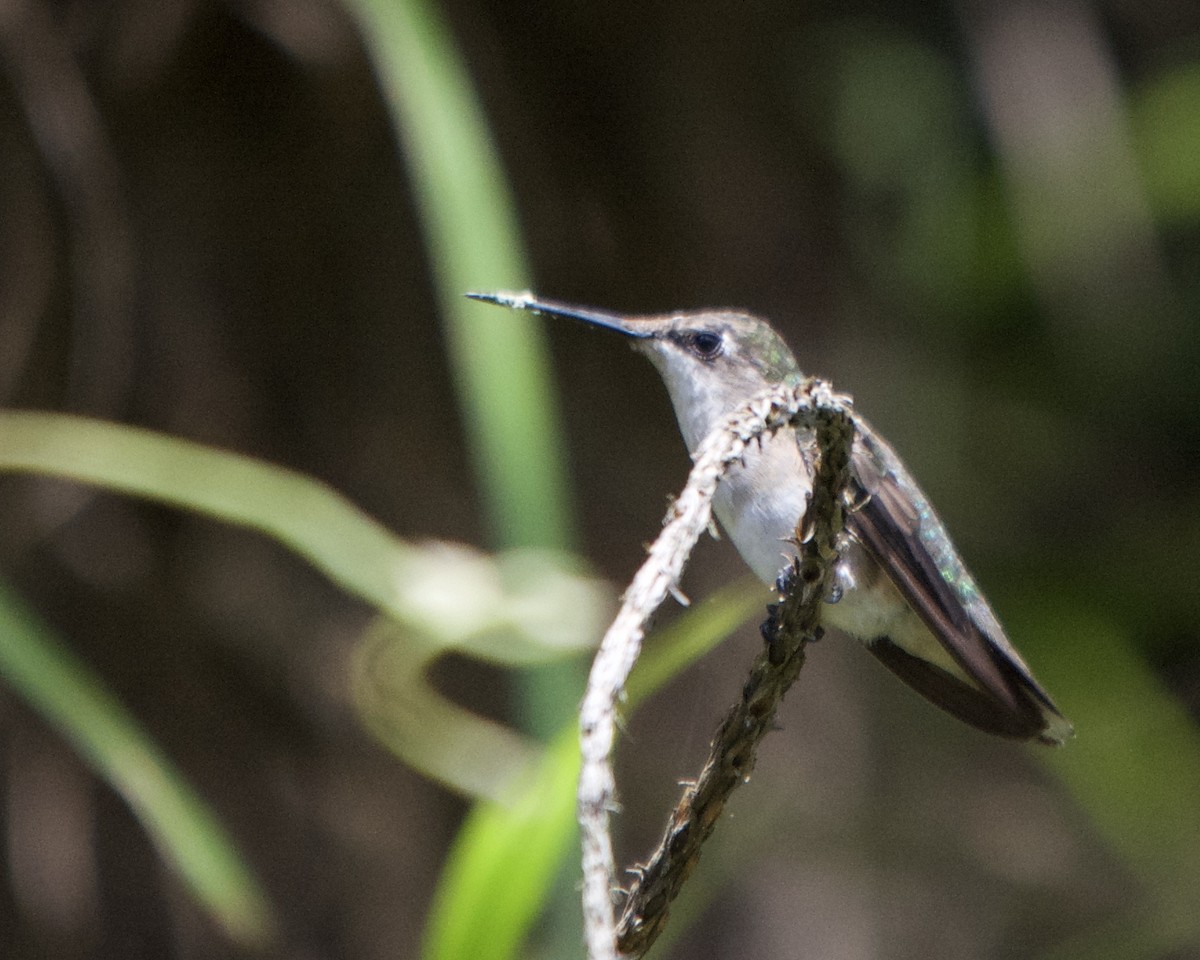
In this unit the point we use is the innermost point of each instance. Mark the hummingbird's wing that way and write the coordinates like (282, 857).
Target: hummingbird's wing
(898, 528)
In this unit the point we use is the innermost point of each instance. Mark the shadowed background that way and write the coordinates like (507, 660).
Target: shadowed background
(983, 221)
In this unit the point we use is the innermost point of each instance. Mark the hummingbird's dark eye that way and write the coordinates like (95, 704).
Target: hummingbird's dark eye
(705, 344)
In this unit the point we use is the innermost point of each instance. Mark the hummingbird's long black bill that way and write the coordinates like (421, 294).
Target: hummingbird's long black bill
(552, 308)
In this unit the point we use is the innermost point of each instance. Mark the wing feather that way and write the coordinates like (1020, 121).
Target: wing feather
(896, 525)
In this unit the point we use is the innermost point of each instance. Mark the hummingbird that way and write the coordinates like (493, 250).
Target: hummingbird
(899, 586)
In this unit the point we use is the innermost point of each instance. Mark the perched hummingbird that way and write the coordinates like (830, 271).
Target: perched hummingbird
(900, 587)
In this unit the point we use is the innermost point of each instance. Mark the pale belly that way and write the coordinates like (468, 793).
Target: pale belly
(758, 506)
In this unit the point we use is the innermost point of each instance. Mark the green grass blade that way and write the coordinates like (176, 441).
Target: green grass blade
(1133, 767)
(504, 860)
(499, 361)
(497, 880)
(500, 364)
(349, 547)
(498, 358)
(519, 608)
(693, 635)
(184, 829)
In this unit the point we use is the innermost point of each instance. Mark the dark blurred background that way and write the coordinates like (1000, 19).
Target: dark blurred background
(983, 220)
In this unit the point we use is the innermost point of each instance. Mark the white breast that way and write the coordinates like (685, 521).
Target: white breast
(760, 503)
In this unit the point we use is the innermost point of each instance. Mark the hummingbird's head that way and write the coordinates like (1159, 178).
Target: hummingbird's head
(712, 361)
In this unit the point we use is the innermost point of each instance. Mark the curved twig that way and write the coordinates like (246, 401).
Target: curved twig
(812, 404)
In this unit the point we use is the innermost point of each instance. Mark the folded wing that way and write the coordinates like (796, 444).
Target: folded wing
(895, 524)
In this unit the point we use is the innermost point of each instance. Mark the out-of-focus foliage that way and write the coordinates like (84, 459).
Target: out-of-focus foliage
(506, 856)
(181, 824)
(474, 243)
(1166, 136)
(499, 367)
(1137, 776)
(520, 609)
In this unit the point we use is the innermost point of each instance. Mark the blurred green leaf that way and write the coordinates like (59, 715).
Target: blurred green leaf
(441, 597)
(1165, 117)
(497, 878)
(896, 125)
(1135, 763)
(455, 592)
(498, 358)
(186, 832)
(353, 550)
(1133, 767)
(500, 365)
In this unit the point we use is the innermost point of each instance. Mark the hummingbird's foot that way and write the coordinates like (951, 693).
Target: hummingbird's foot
(770, 626)
(769, 629)
(790, 578)
(786, 579)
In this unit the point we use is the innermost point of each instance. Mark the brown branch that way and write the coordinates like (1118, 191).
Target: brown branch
(733, 752)
(812, 405)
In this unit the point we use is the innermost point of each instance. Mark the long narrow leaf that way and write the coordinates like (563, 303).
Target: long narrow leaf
(445, 597)
(186, 831)
(1134, 769)
(500, 363)
(498, 876)
(353, 550)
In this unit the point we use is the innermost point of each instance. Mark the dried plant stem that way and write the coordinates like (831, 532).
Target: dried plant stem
(813, 405)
